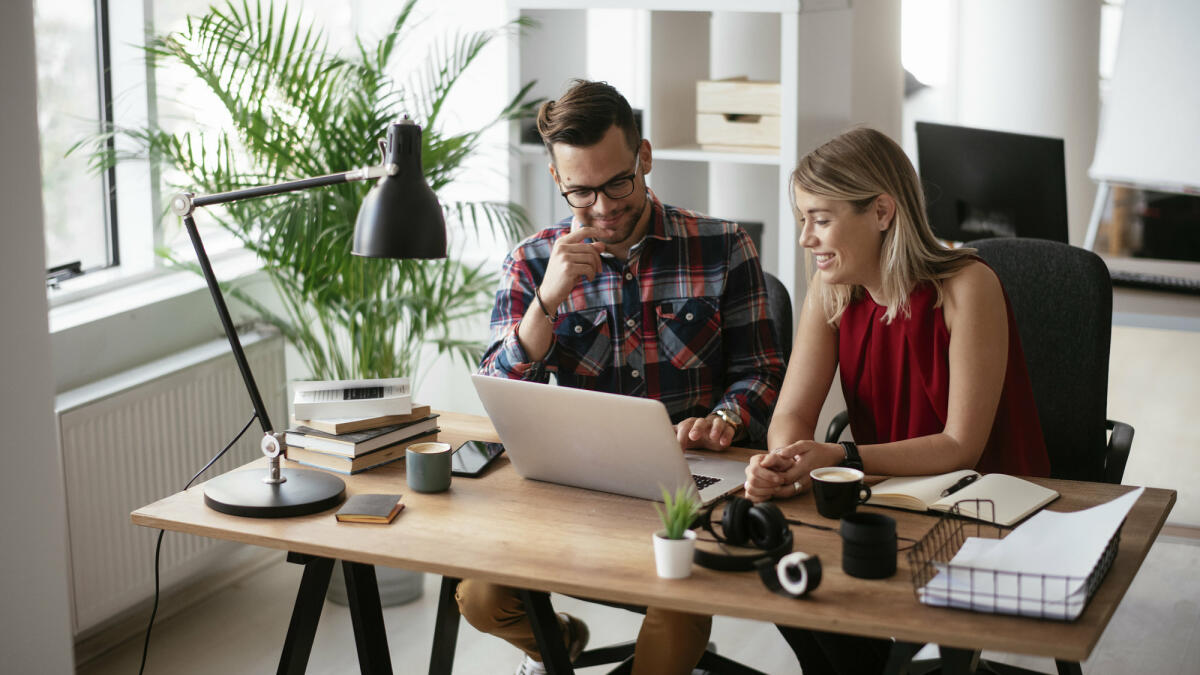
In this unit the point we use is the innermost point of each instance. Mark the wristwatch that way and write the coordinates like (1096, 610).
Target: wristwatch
(731, 418)
(852, 460)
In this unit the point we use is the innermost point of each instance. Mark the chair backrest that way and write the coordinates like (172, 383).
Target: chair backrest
(779, 309)
(1062, 299)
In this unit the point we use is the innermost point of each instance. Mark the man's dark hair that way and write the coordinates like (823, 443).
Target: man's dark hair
(582, 115)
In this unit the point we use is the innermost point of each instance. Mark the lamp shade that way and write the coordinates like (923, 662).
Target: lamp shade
(400, 216)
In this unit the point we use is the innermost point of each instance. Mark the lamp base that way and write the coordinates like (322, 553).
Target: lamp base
(243, 493)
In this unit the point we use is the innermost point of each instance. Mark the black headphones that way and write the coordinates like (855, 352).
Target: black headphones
(744, 523)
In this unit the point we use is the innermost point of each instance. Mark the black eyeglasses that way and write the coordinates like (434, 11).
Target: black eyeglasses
(617, 188)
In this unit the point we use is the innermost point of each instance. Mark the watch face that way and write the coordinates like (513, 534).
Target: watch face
(730, 418)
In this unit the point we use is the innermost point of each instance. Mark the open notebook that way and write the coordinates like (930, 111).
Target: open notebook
(1014, 498)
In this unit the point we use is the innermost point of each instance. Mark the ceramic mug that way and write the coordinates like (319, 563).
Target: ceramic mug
(838, 490)
(427, 467)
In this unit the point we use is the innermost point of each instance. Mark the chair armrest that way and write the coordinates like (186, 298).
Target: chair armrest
(836, 426)
(1119, 442)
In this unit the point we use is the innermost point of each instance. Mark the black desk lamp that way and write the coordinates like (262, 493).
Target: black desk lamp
(400, 218)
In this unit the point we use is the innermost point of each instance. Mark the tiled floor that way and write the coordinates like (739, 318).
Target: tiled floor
(240, 630)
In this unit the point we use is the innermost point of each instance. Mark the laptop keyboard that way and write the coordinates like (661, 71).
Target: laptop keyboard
(703, 481)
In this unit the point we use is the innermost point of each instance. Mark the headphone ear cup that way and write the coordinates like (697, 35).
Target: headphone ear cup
(766, 525)
(733, 521)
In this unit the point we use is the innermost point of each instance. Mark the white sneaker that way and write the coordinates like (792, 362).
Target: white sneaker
(577, 638)
(530, 667)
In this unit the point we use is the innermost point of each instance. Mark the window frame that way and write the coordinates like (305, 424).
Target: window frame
(109, 177)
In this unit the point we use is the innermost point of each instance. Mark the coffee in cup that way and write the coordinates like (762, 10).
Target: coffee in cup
(838, 474)
(838, 490)
(427, 466)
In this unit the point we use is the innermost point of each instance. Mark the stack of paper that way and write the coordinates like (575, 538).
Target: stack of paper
(1040, 569)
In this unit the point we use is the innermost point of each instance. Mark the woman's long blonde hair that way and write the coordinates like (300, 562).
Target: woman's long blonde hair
(857, 167)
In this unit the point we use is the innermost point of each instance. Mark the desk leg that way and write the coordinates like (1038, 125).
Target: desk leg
(305, 613)
(546, 631)
(366, 614)
(959, 661)
(900, 657)
(445, 629)
(1068, 667)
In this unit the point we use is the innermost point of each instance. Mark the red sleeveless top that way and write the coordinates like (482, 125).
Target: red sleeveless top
(896, 380)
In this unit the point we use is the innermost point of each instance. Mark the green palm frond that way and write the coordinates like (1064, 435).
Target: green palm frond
(296, 108)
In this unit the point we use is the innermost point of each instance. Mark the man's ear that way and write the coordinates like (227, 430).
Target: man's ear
(885, 211)
(647, 159)
(553, 172)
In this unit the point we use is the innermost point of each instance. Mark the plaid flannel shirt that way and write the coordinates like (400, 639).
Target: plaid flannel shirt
(683, 320)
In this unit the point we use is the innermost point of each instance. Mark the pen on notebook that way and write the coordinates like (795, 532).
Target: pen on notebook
(962, 483)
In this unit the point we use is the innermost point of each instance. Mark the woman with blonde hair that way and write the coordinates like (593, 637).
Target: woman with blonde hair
(931, 363)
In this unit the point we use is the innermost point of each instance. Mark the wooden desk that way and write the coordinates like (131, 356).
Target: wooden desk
(545, 537)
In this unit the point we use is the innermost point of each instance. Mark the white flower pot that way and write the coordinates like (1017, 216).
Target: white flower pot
(673, 557)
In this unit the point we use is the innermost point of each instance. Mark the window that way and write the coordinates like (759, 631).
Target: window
(80, 225)
(91, 69)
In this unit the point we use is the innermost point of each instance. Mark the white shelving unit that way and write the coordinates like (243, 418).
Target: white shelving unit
(828, 55)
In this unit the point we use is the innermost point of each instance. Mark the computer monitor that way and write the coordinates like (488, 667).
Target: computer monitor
(980, 183)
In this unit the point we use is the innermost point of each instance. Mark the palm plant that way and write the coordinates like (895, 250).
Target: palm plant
(299, 109)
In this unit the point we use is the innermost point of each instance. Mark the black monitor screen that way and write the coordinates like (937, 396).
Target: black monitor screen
(981, 183)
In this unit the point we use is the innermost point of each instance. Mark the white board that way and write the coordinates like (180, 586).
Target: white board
(1150, 123)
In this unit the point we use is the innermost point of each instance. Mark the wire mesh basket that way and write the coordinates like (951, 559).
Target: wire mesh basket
(940, 580)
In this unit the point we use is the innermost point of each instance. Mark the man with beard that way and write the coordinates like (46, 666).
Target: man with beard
(635, 297)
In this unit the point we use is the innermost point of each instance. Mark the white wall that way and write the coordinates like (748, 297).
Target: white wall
(878, 77)
(1030, 66)
(35, 634)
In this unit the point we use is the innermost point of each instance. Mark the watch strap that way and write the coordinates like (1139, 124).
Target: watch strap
(853, 460)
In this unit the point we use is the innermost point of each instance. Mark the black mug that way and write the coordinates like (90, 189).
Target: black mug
(838, 490)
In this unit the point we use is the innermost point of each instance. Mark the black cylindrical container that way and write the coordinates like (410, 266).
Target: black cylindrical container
(868, 545)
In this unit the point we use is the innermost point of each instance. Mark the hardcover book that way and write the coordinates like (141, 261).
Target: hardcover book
(345, 425)
(370, 508)
(352, 465)
(358, 442)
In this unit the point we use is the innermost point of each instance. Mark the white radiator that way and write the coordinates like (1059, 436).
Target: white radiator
(137, 437)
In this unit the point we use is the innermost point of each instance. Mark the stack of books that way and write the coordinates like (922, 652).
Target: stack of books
(333, 437)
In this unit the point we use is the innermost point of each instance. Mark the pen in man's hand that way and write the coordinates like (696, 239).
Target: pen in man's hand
(962, 483)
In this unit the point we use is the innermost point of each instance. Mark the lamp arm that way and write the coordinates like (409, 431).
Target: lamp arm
(183, 205)
(227, 323)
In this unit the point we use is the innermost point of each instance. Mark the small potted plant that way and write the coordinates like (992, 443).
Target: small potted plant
(675, 543)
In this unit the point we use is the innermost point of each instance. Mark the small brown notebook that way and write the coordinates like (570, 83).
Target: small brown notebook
(370, 508)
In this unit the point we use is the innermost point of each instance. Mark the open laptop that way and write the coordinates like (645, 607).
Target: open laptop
(608, 442)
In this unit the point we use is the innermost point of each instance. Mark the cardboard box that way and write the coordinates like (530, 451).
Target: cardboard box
(738, 114)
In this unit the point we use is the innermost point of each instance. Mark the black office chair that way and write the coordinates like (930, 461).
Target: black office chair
(779, 309)
(1061, 298)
